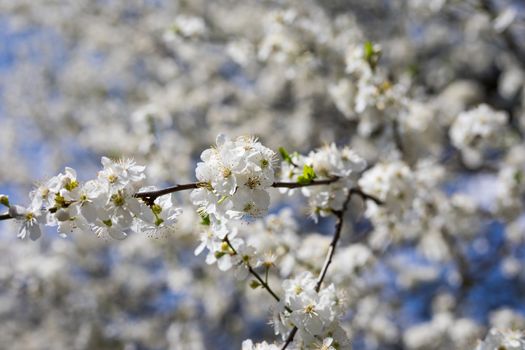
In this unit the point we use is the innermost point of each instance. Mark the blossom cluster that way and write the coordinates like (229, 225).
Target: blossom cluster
(366, 88)
(503, 339)
(315, 313)
(299, 74)
(342, 166)
(106, 205)
(392, 183)
(234, 177)
(477, 130)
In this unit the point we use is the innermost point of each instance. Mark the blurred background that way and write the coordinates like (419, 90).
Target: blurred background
(157, 80)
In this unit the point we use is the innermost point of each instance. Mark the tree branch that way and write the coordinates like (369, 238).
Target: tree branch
(297, 185)
(150, 196)
(359, 192)
(5, 216)
(461, 261)
(257, 276)
(290, 337)
(339, 214)
(398, 140)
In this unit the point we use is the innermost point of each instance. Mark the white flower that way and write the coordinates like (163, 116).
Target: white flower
(120, 174)
(305, 282)
(108, 228)
(503, 339)
(315, 314)
(392, 183)
(343, 94)
(327, 344)
(234, 176)
(251, 203)
(476, 130)
(159, 219)
(186, 26)
(31, 219)
(328, 162)
(249, 345)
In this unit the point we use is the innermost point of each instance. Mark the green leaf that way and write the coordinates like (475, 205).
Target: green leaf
(285, 155)
(308, 175)
(205, 218)
(371, 54)
(254, 284)
(369, 50)
(518, 177)
(219, 255)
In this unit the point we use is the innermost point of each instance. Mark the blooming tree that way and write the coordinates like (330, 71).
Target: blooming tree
(403, 154)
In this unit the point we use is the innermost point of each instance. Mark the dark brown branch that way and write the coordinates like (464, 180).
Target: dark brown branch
(462, 263)
(297, 185)
(398, 140)
(359, 192)
(5, 216)
(150, 196)
(257, 276)
(290, 337)
(339, 214)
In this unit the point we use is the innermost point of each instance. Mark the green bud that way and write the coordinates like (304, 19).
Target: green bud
(4, 200)
(59, 201)
(158, 221)
(219, 255)
(156, 209)
(284, 154)
(205, 218)
(254, 284)
(371, 54)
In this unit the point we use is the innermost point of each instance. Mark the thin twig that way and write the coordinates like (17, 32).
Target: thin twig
(150, 196)
(462, 263)
(290, 337)
(398, 140)
(339, 214)
(359, 192)
(257, 276)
